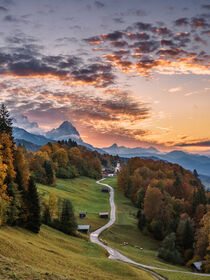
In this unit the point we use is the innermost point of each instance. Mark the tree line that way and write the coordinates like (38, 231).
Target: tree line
(173, 208)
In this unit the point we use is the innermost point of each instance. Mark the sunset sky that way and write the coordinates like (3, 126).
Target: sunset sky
(135, 73)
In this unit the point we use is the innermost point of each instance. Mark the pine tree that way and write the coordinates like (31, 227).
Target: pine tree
(34, 218)
(187, 235)
(195, 173)
(50, 175)
(67, 220)
(158, 230)
(5, 121)
(142, 221)
(46, 218)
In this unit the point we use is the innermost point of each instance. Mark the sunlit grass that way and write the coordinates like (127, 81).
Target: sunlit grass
(53, 255)
(85, 195)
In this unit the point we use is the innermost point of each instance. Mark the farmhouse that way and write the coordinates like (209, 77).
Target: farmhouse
(105, 189)
(83, 228)
(104, 215)
(82, 215)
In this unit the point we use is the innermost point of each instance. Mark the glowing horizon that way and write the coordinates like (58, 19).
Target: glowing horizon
(135, 74)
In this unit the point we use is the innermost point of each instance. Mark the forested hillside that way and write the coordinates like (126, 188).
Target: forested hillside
(173, 207)
(20, 170)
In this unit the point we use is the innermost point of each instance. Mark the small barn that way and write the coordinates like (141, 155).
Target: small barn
(105, 189)
(83, 228)
(196, 266)
(104, 215)
(82, 215)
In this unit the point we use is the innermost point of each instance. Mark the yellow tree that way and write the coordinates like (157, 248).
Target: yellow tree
(7, 148)
(22, 169)
(4, 199)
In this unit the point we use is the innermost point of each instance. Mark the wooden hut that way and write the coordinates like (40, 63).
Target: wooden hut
(104, 215)
(105, 189)
(196, 266)
(83, 228)
(82, 215)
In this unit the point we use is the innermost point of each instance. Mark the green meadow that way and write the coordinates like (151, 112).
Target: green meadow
(85, 195)
(53, 255)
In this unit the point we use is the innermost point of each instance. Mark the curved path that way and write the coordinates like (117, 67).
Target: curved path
(115, 255)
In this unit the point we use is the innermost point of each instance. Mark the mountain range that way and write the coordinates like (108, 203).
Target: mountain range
(66, 130)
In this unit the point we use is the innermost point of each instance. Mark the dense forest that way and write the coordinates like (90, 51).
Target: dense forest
(173, 208)
(66, 160)
(20, 203)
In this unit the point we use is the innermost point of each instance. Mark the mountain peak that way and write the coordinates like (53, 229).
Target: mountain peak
(114, 146)
(65, 131)
(66, 125)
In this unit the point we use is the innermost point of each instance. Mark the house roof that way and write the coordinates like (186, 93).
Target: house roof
(83, 213)
(197, 265)
(105, 188)
(103, 213)
(85, 227)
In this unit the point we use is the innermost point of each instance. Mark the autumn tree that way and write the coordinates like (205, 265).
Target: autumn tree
(152, 203)
(201, 236)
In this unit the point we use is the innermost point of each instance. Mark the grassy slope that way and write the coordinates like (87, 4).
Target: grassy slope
(53, 255)
(85, 195)
(125, 230)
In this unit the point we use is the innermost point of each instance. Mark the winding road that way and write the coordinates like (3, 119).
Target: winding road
(115, 255)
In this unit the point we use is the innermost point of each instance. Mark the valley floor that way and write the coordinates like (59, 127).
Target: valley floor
(53, 255)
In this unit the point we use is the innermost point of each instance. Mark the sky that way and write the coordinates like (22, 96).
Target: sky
(135, 72)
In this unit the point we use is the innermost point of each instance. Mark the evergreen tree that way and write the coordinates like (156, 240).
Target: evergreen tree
(68, 222)
(50, 175)
(195, 173)
(142, 221)
(168, 250)
(158, 230)
(5, 121)
(15, 205)
(187, 235)
(46, 218)
(34, 219)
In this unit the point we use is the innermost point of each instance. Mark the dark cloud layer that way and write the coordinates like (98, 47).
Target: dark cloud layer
(196, 144)
(145, 48)
(27, 60)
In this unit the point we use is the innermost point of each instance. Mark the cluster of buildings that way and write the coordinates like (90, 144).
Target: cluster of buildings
(111, 172)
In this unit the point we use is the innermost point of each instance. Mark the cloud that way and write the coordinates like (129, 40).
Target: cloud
(3, 9)
(176, 89)
(181, 22)
(22, 121)
(99, 4)
(13, 19)
(199, 22)
(28, 61)
(206, 7)
(118, 20)
(197, 144)
(107, 110)
(146, 49)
